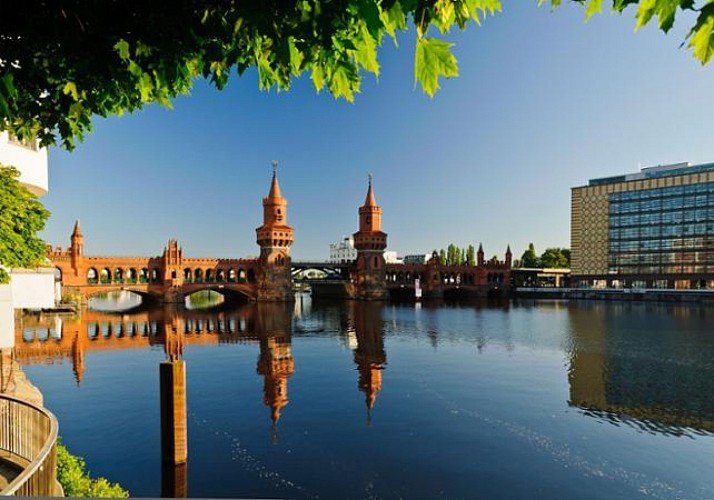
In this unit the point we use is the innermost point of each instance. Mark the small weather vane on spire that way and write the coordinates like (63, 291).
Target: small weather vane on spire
(369, 177)
(275, 166)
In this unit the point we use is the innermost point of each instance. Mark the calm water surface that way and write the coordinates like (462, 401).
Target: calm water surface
(359, 400)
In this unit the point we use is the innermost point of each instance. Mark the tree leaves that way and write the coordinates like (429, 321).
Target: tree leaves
(700, 38)
(56, 74)
(21, 217)
(433, 59)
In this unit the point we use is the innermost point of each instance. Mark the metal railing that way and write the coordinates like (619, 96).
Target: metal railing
(28, 435)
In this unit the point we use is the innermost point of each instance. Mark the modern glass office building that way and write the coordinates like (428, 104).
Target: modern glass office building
(650, 229)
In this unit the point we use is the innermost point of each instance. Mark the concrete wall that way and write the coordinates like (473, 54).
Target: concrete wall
(33, 289)
(31, 163)
(7, 317)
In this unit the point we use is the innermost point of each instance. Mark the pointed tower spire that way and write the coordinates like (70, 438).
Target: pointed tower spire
(274, 186)
(370, 201)
(77, 229)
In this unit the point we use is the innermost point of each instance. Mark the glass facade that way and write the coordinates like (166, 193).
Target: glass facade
(662, 231)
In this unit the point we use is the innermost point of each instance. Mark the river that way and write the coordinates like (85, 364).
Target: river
(377, 400)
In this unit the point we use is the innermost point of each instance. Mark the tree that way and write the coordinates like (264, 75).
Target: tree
(555, 257)
(529, 257)
(21, 217)
(64, 62)
(471, 255)
(442, 257)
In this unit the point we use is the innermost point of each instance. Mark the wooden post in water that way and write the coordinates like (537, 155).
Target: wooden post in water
(173, 412)
(173, 480)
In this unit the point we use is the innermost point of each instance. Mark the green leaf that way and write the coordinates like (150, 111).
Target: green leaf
(700, 38)
(594, 7)
(393, 19)
(318, 78)
(366, 53)
(122, 47)
(432, 60)
(481, 8)
(71, 88)
(296, 57)
(344, 81)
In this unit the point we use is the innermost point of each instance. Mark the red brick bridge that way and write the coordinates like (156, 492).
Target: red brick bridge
(169, 278)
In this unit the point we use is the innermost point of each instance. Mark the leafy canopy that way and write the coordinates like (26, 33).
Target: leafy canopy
(63, 62)
(530, 258)
(555, 258)
(21, 217)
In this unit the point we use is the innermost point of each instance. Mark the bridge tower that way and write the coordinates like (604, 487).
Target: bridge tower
(76, 248)
(480, 256)
(274, 237)
(509, 257)
(370, 242)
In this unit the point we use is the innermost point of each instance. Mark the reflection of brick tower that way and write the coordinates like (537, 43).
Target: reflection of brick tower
(276, 364)
(369, 356)
(275, 238)
(370, 243)
(76, 248)
(173, 337)
(78, 358)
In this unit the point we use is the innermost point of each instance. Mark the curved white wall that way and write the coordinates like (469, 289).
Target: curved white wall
(31, 164)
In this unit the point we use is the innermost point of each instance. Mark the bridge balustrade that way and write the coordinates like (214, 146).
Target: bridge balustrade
(28, 435)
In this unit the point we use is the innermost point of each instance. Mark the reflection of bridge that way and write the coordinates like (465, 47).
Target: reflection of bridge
(171, 276)
(41, 339)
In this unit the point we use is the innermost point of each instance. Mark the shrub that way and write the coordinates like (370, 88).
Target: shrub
(72, 474)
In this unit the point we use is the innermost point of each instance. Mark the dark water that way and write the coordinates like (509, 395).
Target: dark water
(522, 400)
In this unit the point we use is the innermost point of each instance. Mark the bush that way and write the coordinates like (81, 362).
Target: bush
(72, 474)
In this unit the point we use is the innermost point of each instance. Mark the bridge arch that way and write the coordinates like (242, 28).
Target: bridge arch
(118, 275)
(233, 294)
(92, 275)
(132, 276)
(198, 276)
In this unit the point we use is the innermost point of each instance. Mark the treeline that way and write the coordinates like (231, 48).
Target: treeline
(456, 256)
(551, 257)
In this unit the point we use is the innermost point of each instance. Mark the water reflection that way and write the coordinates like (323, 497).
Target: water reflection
(369, 354)
(645, 365)
(641, 365)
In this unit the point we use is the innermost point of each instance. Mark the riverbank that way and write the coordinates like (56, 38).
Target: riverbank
(617, 294)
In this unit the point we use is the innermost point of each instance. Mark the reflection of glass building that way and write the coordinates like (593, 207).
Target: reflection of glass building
(651, 229)
(637, 368)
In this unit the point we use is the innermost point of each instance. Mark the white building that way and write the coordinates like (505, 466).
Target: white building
(390, 257)
(343, 251)
(28, 288)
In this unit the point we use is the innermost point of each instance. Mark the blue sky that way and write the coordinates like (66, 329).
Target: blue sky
(544, 102)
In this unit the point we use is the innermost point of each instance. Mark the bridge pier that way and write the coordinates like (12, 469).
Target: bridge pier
(173, 295)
